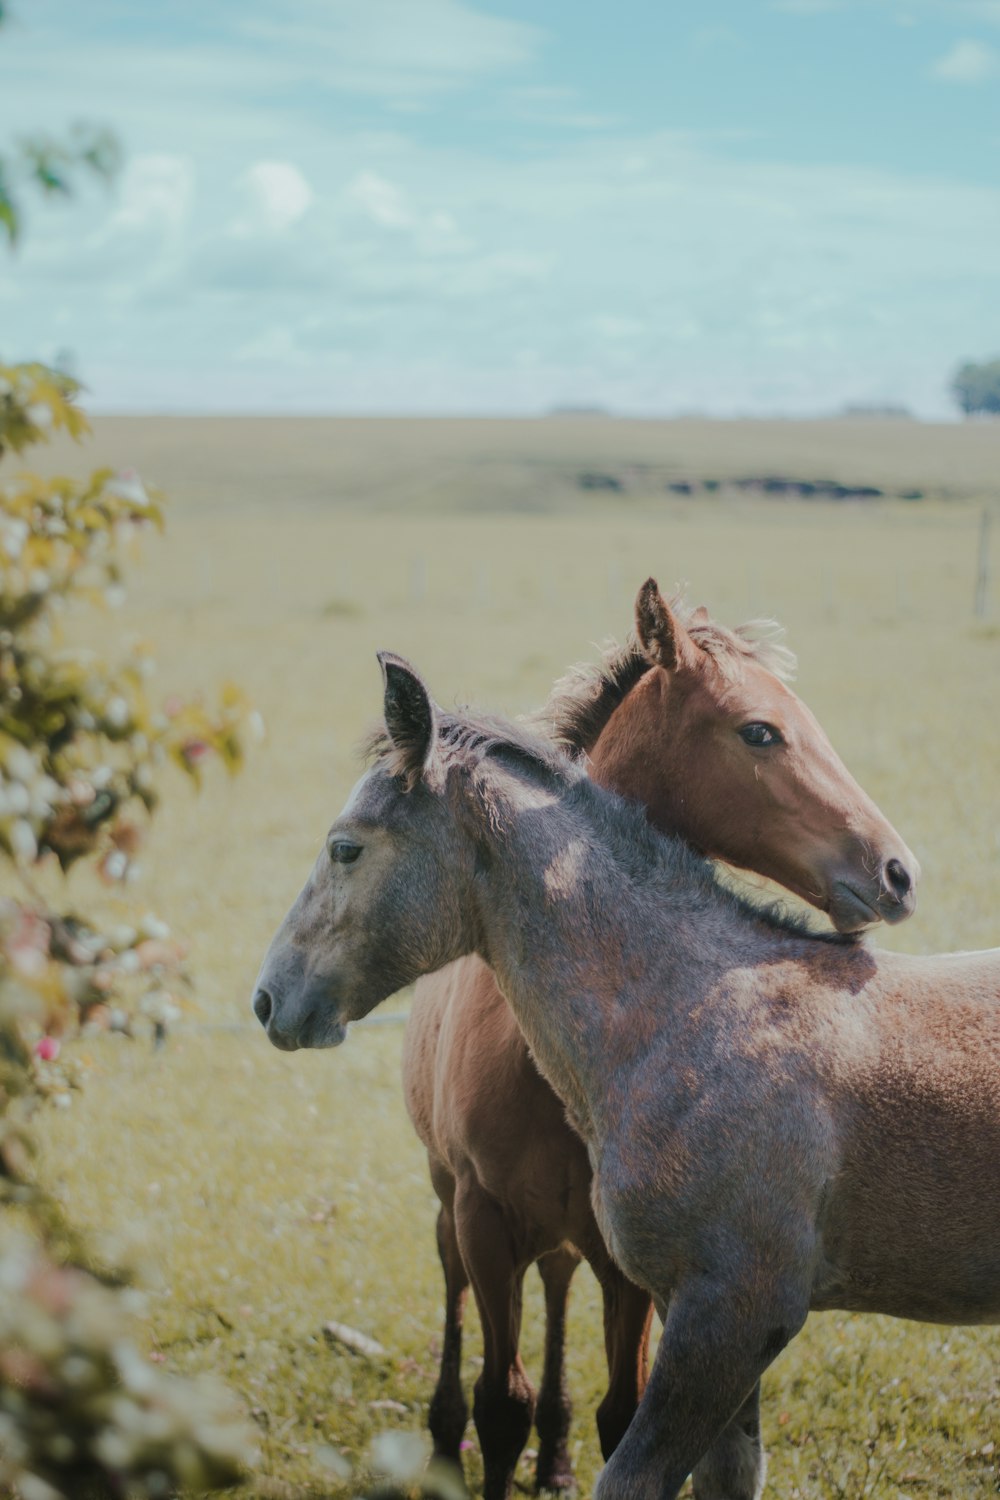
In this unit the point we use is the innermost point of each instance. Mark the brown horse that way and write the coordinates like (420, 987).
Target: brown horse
(693, 720)
(776, 1121)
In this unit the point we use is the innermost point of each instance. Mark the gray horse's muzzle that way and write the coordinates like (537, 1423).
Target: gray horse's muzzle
(308, 1022)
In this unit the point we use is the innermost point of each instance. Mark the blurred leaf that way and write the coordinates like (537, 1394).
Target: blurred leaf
(8, 212)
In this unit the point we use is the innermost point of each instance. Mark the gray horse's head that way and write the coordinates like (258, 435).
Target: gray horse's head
(388, 897)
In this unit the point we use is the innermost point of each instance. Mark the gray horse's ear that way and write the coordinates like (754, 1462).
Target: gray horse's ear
(410, 716)
(661, 635)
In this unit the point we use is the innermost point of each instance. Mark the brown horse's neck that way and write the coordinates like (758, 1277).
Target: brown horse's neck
(636, 758)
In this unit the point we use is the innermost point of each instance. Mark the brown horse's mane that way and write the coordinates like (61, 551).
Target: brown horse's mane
(583, 700)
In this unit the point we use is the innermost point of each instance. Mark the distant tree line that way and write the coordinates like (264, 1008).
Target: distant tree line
(976, 388)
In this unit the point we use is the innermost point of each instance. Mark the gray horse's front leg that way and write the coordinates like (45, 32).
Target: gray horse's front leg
(717, 1341)
(735, 1466)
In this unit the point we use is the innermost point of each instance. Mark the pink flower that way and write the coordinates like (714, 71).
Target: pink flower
(194, 751)
(47, 1048)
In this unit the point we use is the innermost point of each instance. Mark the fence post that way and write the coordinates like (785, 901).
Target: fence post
(983, 565)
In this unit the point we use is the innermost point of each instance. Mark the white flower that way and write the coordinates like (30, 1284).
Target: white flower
(22, 840)
(115, 865)
(128, 486)
(15, 534)
(117, 713)
(18, 799)
(152, 927)
(19, 763)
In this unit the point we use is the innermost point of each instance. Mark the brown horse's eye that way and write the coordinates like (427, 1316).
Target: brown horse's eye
(343, 852)
(760, 734)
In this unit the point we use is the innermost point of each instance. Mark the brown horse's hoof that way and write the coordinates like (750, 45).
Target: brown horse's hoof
(563, 1482)
(554, 1474)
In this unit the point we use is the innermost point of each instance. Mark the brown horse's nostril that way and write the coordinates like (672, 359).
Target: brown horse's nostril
(262, 1006)
(898, 878)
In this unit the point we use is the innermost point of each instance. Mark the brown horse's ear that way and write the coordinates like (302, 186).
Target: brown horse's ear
(661, 635)
(410, 716)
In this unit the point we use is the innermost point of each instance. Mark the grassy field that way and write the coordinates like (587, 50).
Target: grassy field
(269, 1193)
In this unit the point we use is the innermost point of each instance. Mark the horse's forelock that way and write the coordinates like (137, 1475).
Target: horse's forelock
(584, 698)
(761, 641)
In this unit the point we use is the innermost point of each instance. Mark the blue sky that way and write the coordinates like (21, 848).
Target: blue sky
(774, 206)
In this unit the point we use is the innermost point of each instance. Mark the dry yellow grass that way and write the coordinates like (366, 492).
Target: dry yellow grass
(275, 1192)
(525, 465)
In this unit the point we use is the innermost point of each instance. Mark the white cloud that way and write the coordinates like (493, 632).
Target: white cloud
(431, 233)
(382, 201)
(279, 194)
(983, 10)
(396, 49)
(155, 193)
(442, 265)
(968, 62)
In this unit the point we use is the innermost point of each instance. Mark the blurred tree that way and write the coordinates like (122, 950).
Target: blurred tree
(82, 1411)
(976, 388)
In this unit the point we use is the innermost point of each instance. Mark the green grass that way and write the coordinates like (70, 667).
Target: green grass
(269, 1193)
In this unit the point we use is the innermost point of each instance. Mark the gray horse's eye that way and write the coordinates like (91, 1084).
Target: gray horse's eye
(343, 852)
(760, 734)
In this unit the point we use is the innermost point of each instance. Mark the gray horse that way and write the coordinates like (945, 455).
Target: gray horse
(776, 1121)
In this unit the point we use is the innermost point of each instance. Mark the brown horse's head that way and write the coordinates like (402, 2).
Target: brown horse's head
(723, 753)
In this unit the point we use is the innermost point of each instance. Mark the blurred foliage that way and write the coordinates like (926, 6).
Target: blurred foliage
(81, 750)
(51, 166)
(82, 1412)
(976, 388)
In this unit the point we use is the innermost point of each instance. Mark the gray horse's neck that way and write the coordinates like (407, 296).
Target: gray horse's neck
(600, 932)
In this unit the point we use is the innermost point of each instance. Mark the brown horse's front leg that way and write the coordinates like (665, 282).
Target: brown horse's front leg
(448, 1411)
(628, 1313)
(718, 1338)
(555, 1410)
(503, 1405)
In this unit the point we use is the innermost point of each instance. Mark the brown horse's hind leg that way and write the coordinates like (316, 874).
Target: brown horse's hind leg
(555, 1410)
(504, 1401)
(449, 1412)
(628, 1313)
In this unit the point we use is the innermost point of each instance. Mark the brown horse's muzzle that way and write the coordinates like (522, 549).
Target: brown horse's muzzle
(890, 897)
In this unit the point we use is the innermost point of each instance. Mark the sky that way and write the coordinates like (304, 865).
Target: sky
(739, 207)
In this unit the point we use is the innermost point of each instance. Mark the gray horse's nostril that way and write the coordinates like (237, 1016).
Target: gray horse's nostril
(262, 1006)
(898, 878)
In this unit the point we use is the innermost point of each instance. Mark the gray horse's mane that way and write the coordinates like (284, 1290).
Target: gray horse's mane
(469, 739)
(584, 698)
(466, 738)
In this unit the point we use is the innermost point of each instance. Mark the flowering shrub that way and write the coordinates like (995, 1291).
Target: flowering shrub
(81, 746)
